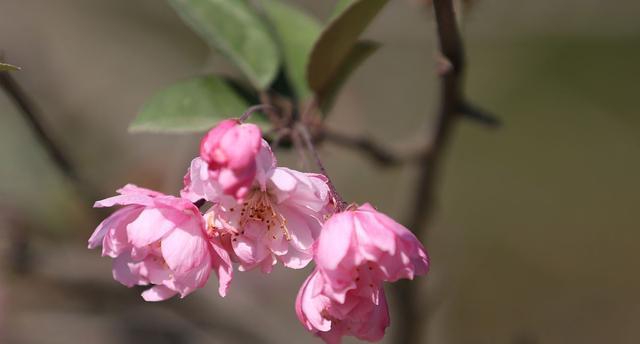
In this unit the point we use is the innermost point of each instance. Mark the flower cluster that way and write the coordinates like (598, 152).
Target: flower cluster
(260, 214)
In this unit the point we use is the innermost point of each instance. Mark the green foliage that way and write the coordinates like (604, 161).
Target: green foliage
(195, 104)
(296, 32)
(360, 52)
(316, 61)
(336, 43)
(5, 67)
(235, 29)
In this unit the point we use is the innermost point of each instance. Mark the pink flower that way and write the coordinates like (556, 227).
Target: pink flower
(363, 313)
(366, 245)
(230, 149)
(162, 241)
(279, 219)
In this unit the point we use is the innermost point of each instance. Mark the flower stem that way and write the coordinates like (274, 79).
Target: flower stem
(250, 111)
(341, 205)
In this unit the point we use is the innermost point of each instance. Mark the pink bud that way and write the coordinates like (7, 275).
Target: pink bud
(230, 150)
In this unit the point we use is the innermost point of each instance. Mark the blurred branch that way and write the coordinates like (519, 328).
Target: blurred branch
(22, 101)
(371, 148)
(479, 115)
(52, 148)
(114, 298)
(413, 315)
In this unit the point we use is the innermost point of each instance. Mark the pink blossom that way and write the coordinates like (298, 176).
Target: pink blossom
(162, 241)
(366, 245)
(279, 219)
(229, 149)
(363, 313)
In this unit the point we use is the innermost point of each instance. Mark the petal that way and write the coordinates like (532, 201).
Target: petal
(158, 293)
(124, 200)
(301, 235)
(373, 237)
(123, 273)
(283, 181)
(335, 241)
(117, 219)
(250, 246)
(151, 225)
(186, 246)
(309, 308)
(211, 141)
(221, 263)
(240, 144)
(188, 282)
(131, 189)
(265, 164)
(376, 322)
(295, 259)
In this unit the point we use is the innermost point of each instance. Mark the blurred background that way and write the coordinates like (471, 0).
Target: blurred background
(536, 233)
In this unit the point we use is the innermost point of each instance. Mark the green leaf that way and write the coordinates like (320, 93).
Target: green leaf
(296, 32)
(191, 105)
(340, 6)
(358, 54)
(235, 29)
(5, 67)
(337, 40)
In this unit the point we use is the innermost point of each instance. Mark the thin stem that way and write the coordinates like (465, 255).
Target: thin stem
(304, 132)
(250, 111)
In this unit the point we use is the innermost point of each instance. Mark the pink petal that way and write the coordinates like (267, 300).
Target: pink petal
(123, 273)
(211, 141)
(221, 262)
(241, 144)
(131, 189)
(151, 225)
(309, 308)
(186, 247)
(301, 235)
(295, 259)
(265, 164)
(336, 238)
(158, 293)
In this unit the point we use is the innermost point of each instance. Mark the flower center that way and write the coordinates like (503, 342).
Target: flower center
(258, 207)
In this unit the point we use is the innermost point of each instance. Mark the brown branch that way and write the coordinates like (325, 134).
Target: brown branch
(22, 101)
(52, 148)
(411, 310)
(376, 152)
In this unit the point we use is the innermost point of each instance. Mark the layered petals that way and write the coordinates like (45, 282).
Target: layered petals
(363, 314)
(364, 244)
(279, 218)
(160, 240)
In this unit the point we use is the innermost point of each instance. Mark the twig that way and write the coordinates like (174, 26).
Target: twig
(411, 310)
(53, 149)
(250, 111)
(20, 98)
(371, 148)
(304, 132)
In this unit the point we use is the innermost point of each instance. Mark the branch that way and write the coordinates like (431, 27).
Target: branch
(53, 150)
(411, 310)
(371, 148)
(22, 101)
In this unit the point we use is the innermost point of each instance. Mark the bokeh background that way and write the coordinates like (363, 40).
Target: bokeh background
(537, 229)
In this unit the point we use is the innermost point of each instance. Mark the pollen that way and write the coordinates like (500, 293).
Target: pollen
(258, 207)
